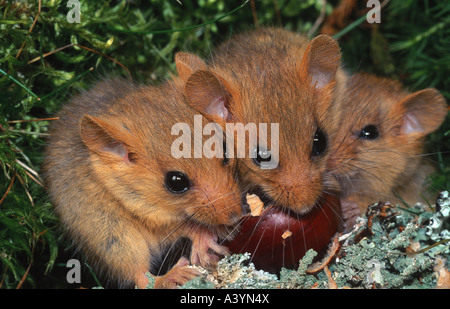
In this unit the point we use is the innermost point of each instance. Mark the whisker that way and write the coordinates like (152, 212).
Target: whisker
(176, 229)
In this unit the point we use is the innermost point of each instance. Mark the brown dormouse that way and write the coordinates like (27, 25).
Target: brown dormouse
(273, 76)
(121, 195)
(378, 153)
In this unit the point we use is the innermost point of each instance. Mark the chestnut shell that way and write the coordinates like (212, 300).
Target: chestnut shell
(278, 238)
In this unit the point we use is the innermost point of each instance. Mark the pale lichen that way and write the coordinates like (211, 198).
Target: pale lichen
(234, 272)
(438, 229)
(291, 279)
(398, 249)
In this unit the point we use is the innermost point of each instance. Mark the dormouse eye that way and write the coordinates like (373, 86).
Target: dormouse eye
(177, 182)
(319, 143)
(261, 155)
(369, 132)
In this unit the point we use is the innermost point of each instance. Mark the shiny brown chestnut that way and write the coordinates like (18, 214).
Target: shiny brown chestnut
(276, 238)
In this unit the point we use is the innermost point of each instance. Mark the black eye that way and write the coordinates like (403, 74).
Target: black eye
(177, 182)
(369, 132)
(261, 155)
(319, 143)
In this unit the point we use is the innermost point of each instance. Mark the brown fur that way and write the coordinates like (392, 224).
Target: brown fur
(274, 76)
(105, 164)
(390, 167)
(338, 19)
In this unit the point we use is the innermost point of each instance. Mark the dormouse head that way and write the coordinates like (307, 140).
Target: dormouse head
(383, 130)
(283, 93)
(134, 151)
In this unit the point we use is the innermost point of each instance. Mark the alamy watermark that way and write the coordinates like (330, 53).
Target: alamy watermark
(374, 15)
(74, 274)
(74, 14)
(235, 139)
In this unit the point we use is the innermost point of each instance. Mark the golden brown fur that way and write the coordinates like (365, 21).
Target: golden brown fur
(390, 167)
(273, 76)
(105, 164)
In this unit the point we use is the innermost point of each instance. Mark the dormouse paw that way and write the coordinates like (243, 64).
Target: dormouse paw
(350, 212)
(177, 275)
(206, 251)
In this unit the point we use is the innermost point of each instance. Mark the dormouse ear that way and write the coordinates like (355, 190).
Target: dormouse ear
(187, 64)
(320, 61)
(98, 136)
(425, 111)
(207, 94)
